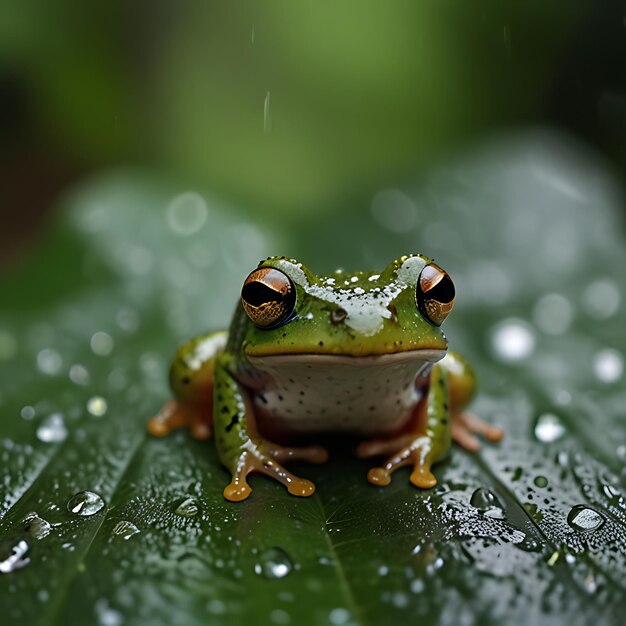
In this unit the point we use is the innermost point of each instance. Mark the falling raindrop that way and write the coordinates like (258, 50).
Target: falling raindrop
(106, 615)
(97, 406)
(584, 519)
(548, 428)
(187, 508)
(601, 299)
(85, 503)
(13, 556)
(512, 340)
(267, 114)
(125, 530)
(274, 563)
(27, 412)
(52, 429)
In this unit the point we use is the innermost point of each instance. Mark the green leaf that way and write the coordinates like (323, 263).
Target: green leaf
(529, 531)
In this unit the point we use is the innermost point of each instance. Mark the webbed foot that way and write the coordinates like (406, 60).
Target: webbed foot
(405, 450)
(265, 457)
(176, 415)
(465, 427)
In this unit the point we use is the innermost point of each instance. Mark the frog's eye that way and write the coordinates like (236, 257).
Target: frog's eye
(434, 294)
(268, 297)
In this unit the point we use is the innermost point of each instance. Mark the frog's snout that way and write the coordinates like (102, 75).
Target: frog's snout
(337, 316)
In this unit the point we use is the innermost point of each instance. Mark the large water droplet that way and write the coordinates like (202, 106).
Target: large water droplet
(13, 556)
(483, 499)
(85, 503)
(52, 429)
(583, 518)
(187, 508)
(125, 530)
(274, 563)
(512, 340)
(548, 428)
(36, 526)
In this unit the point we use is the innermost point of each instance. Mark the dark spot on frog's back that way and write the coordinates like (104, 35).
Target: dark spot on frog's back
(234, 420)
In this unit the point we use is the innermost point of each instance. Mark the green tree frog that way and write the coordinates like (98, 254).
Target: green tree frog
(360, 353)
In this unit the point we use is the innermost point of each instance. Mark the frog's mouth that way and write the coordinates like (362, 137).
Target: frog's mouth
(313, 359)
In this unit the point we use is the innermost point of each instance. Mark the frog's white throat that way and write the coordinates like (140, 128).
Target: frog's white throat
(363, 395)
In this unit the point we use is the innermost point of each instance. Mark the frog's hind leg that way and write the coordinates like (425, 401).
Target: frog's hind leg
(191, 380)
(425, 445)
(466, 425)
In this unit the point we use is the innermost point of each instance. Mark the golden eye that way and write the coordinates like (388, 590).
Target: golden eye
(268, 297)
(434, 294)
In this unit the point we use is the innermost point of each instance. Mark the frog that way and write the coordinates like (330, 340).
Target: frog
(357, 353)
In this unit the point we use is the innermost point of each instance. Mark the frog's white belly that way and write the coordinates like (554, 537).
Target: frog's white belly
(327, 393)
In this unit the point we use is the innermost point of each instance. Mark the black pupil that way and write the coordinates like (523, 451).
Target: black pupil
(256, 294)
(443, 291)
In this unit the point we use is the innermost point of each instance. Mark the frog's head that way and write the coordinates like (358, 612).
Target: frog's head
(394, 314)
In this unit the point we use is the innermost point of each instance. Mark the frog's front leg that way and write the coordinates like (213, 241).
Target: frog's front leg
(243, 450)
(427, 444)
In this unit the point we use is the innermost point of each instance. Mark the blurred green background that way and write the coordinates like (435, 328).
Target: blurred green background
(296, 109)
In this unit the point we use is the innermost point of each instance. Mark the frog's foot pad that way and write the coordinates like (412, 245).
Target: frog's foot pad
(465, 427)
(409, 450)
(256, 461)
(176, 415)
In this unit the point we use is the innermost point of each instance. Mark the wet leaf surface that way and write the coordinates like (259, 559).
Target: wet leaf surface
(101, 524)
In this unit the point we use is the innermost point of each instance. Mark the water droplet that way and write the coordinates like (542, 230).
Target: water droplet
(52, 429)
(97, 406)
(216, 607)
(483, 500)
(106, 615)
(187, 213)
(274, 563)
(512, 340)
(601, 299)
(548, 428)
(36, 526)
(528, 544)
(127, 319)
(85, 503)
(383, 570)
(13, 556)
(101, 343)
(125, 530)
(541, 481)
(417, 585)
(187, 508)
(394, 210)
(43, 595)
(49, 362)
(553, 314)
(608, 365)
(8, 345)
(27, 412)
(278, 616)
(339, 616)
(583, 518)
(79, 374)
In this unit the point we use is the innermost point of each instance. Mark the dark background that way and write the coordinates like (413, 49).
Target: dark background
(289, 108)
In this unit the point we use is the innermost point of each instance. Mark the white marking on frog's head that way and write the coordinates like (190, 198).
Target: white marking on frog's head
(366, 310)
